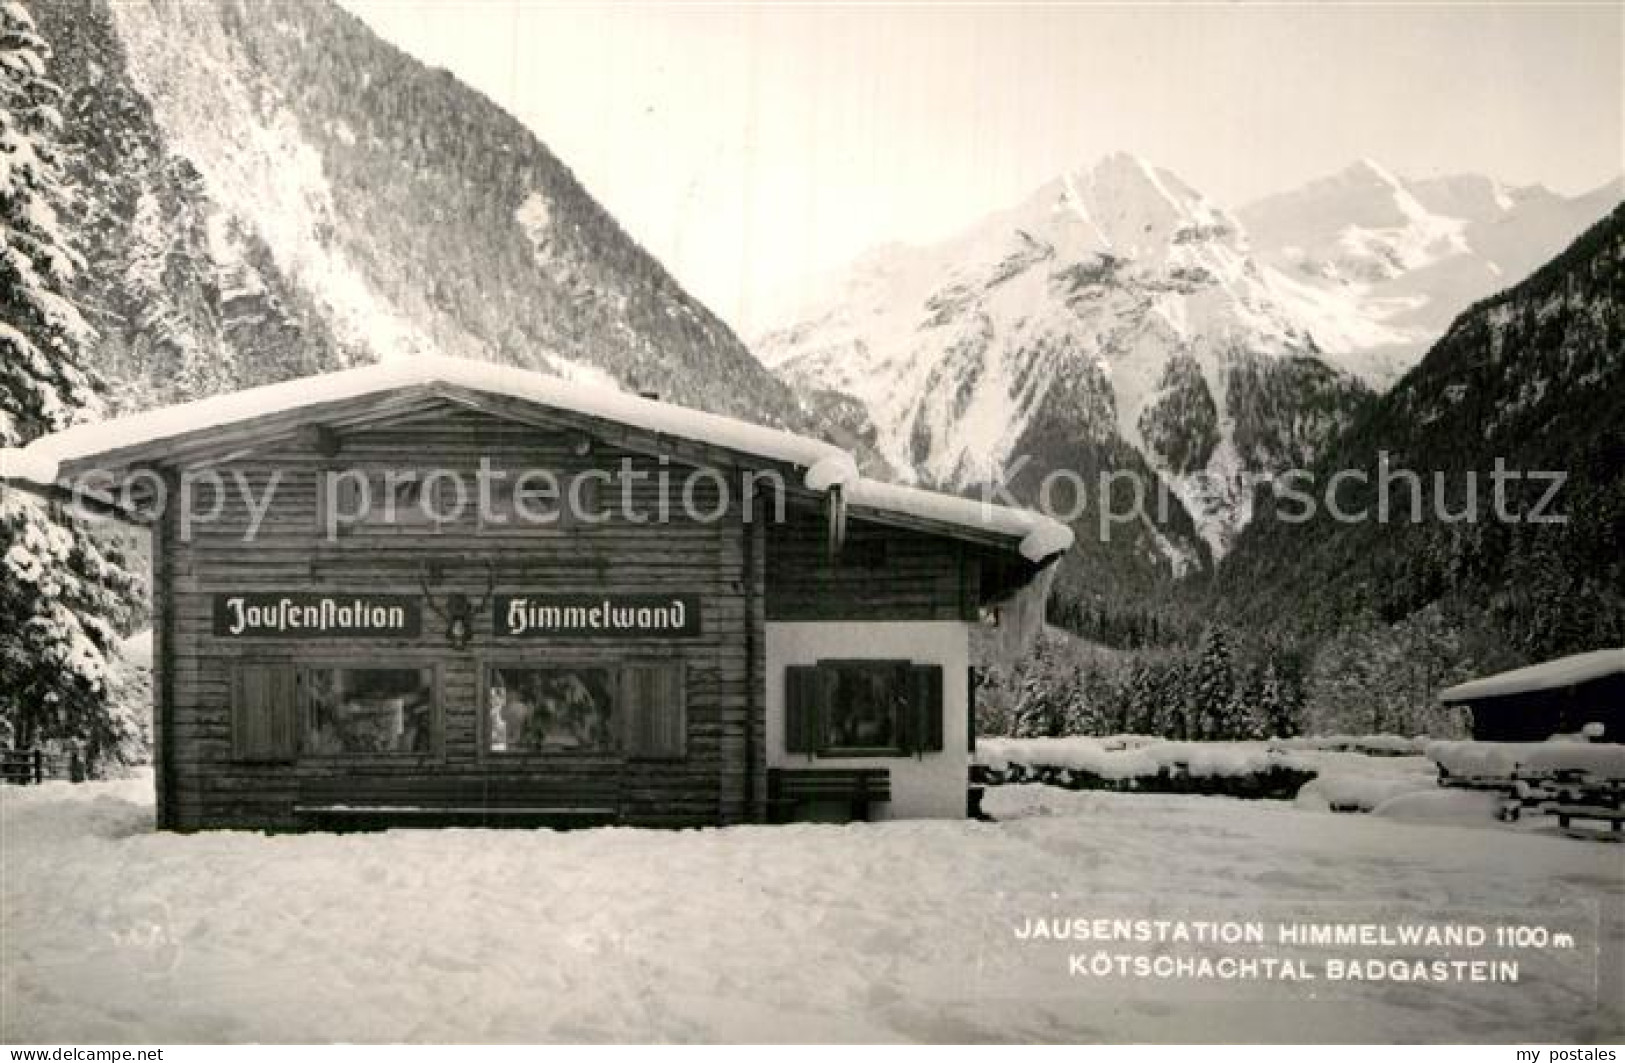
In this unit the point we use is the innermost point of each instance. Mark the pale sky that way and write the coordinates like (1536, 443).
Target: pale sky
(748, 147)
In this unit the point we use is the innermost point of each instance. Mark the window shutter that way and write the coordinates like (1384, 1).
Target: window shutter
(907, 723)
(637, 715)
(264, 711)
(926, 688)
(803, 708)
(655, 716)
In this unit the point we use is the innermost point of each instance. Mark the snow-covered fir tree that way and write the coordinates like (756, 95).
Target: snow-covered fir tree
(63, 594)
(1176, 701)
(42, 384)
(1156, 700)
(1272, 705)
(1246, 719)
(1212, 692)
(1356, 682)
(1074, 704)
(1087, 705)
(1039, 701)
(995, 702)
(1135, 695)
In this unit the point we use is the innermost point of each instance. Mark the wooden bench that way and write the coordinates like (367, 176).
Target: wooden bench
(361, 803)
(860, 788)
(1613, 817)
(1542, 791)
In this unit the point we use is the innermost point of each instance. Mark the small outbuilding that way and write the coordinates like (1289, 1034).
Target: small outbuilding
(435, 591)
(1560, 696)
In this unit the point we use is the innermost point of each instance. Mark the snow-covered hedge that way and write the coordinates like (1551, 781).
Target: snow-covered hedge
(1599, 761)
(1370, 745)
(1128, 756)
(1141, 763)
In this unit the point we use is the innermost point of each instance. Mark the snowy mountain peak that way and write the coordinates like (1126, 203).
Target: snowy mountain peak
(1117, 310)
(1360, 225)
(1367, 169)
(1403, 256)
(1108, 310)
(1472, 196)
(1136, 209)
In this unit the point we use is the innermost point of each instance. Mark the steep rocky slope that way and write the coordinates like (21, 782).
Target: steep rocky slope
(1119, 308)
(1532, 379)
(1412, 254)
(271, 190)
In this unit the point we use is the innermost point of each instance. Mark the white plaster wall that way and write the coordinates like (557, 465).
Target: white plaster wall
(928, 786)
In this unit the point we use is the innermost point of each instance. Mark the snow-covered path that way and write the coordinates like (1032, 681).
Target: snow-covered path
(114, 933)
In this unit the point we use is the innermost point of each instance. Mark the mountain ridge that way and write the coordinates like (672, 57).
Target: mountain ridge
(1531, 377)
(1124, 272)
(1109, 302)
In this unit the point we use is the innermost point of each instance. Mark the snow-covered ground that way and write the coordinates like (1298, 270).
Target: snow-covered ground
(114, 933)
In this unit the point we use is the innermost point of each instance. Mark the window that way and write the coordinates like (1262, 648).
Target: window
(863, 708)
(600, 708)
(867, 707)
(280, 710)
(368, 710)
(552, 710)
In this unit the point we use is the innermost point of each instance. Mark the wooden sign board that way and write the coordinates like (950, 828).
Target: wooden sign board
(301, 615)
(607, 616)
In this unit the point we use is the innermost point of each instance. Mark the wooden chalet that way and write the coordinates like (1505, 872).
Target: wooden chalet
(734, 626)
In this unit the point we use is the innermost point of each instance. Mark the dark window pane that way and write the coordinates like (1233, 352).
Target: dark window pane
(369, 710)
(864, 707)
(552, 710)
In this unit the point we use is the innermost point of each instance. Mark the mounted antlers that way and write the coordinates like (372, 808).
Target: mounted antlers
(459, 611)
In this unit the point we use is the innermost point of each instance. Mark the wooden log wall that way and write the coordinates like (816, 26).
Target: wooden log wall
(717, 782)
(882, 573)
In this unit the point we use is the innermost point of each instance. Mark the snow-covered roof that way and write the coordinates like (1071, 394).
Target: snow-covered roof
(102, 437)
(1040, 536)
(1548, 675)
(827, 465)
